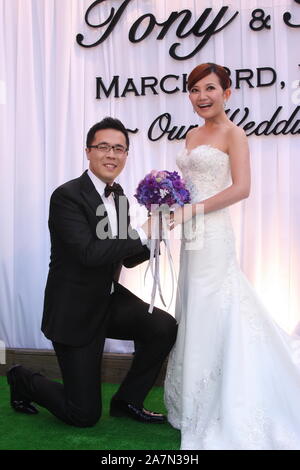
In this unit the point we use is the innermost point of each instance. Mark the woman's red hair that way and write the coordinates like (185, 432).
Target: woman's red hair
(203, 70)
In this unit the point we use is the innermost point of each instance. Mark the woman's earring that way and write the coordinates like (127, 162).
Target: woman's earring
(224, 105)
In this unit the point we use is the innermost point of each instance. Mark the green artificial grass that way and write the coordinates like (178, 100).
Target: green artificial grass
(45, 432)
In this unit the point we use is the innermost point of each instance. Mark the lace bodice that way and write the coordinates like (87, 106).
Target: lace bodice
(206, 171)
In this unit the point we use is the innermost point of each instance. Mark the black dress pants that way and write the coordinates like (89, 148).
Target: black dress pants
(78, 400)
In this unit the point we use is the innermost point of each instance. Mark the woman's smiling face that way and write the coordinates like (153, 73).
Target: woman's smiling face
(207, 96)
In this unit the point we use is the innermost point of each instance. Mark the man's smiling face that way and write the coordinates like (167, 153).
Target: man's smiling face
(106, 165)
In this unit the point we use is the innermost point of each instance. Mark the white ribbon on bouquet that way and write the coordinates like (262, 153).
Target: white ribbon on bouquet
(159, 232)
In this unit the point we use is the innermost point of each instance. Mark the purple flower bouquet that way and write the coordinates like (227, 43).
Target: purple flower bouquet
(162, 187)
(157, 189)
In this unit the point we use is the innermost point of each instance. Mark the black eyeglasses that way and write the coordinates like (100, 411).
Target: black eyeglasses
(118, 150)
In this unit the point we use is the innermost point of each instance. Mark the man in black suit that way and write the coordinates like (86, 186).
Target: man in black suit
(84, 303)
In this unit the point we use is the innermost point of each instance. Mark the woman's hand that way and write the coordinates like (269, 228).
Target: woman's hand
(184, 213)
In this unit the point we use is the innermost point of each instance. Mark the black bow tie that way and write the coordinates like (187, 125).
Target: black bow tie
(115, 188)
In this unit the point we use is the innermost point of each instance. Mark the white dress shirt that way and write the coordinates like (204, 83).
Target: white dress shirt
(111, 207)
(107, 201)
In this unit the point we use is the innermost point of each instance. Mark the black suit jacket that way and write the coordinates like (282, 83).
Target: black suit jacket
(82, 266)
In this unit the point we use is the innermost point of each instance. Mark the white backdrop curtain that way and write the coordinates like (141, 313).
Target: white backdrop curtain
(48, 103)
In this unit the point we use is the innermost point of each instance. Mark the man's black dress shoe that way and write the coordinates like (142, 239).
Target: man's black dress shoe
(17, 402)
(120, 408)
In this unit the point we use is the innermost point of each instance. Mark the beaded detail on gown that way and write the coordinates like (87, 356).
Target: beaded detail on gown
(233, 376)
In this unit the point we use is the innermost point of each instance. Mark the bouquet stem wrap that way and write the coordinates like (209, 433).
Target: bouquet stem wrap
(159, 233)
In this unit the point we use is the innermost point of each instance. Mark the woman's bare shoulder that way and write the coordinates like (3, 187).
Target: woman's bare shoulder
(192, 132)
(237, 142)
(236, 134)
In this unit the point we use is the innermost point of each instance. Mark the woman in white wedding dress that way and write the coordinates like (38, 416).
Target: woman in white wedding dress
(233, 377)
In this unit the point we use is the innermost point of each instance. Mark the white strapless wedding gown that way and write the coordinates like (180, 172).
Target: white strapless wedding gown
(233, 377)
